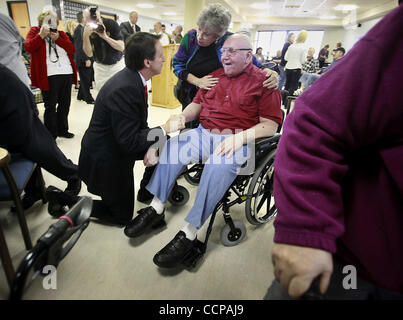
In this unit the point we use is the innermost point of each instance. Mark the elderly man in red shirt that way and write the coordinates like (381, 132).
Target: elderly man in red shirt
(232, 114)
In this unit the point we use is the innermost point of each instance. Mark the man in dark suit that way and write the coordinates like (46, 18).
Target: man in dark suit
(83, 62)
(21, 131)
(129, 27)
(118, 133)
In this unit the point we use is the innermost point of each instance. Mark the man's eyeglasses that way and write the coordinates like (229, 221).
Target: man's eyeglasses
(232, 51)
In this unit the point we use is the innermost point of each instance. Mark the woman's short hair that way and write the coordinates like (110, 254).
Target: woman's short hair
(215, 18)
(69, 26)
(289, 36)
(45, 14)
(257, 50)
(302, 36)
(140, 46)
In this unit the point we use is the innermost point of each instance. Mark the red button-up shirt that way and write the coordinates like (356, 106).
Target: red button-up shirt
(238, 102)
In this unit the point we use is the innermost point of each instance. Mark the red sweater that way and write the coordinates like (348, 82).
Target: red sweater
(36, 46)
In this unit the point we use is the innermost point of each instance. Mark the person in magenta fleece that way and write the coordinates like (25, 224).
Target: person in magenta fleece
(338, 177)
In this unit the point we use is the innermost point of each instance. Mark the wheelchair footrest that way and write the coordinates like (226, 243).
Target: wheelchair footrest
(195, 255)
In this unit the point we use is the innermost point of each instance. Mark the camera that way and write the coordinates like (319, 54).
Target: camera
(93, 13)
(53, 29)
(93, 16)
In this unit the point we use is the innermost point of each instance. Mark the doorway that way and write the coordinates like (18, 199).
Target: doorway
(18, 11)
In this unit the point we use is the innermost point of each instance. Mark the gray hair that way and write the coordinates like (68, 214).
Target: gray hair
(215, 18)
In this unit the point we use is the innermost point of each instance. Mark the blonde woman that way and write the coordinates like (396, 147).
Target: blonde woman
(69, 28)
(295, 57)
(53, 71)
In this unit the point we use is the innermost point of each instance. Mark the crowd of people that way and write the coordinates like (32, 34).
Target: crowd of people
(338, 184)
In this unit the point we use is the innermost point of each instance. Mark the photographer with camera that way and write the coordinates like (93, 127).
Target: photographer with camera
(103, 40)
(53, 71)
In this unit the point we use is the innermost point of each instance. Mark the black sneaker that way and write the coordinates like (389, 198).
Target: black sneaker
(28, 200)
(146, 219)
(67, 135)
(73, 186)
(175, 252)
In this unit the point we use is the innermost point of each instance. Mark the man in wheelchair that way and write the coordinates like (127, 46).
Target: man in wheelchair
(232, 114)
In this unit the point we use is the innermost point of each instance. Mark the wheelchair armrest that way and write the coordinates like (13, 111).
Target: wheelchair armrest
(263, 143)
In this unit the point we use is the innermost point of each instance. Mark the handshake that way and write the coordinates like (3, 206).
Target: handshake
(175, 122)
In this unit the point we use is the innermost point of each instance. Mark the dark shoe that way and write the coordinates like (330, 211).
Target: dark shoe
(144, 195)
(146, 219)
(59, 201)
(27, 201)
(67, 135)
(91, 102)
(175, 252)
(73, 186)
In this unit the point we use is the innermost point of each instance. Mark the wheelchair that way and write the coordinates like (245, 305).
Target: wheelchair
(52, 246)
(255, 190)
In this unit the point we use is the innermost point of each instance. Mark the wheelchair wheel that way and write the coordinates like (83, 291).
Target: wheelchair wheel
(260, 207)
(229, 238)
(179, 196)
(193, 174)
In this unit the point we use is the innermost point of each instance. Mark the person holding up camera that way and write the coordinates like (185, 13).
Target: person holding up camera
(103, 40)
(53, 71)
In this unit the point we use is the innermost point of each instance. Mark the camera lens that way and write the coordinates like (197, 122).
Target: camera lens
(100, 29)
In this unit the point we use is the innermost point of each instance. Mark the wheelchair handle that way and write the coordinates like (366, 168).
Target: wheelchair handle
(50, 248)
(313, 292)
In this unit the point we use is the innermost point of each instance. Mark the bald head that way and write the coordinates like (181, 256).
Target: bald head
(133, 17)
(157, 27)
(237, 54)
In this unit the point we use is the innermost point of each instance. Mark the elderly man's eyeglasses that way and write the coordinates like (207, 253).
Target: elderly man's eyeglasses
(232, 51)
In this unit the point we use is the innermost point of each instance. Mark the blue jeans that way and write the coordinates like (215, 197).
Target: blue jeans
(218, 174)
(308, 79)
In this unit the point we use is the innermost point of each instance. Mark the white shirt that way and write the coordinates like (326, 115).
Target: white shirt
(296, 56)
(164, 38)
(61, 66)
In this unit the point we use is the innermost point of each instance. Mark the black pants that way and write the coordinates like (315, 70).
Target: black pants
(59, 94)
(336, 291)
(292, 77)
(41, 148)
(321, 63)
(118, 208)
(86, 75)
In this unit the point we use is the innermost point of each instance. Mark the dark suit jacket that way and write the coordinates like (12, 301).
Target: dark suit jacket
(127, 30)
(17, 105)
(116, 136)
(79, 56)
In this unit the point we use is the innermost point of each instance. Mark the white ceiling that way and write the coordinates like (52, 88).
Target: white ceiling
(269, 12)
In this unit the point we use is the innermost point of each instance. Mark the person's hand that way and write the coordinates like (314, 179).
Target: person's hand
(45, 30)
(229, 145)
(87, 30)
(54, 36)
(272, 79)
(207, 82)
(151, 157)
(175, 122)
(88, 63)
(296, 267)
(103, 34)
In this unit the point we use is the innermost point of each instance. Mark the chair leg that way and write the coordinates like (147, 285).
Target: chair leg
(23, 223)
(20, 210)
(42, 186)
(6, 259)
